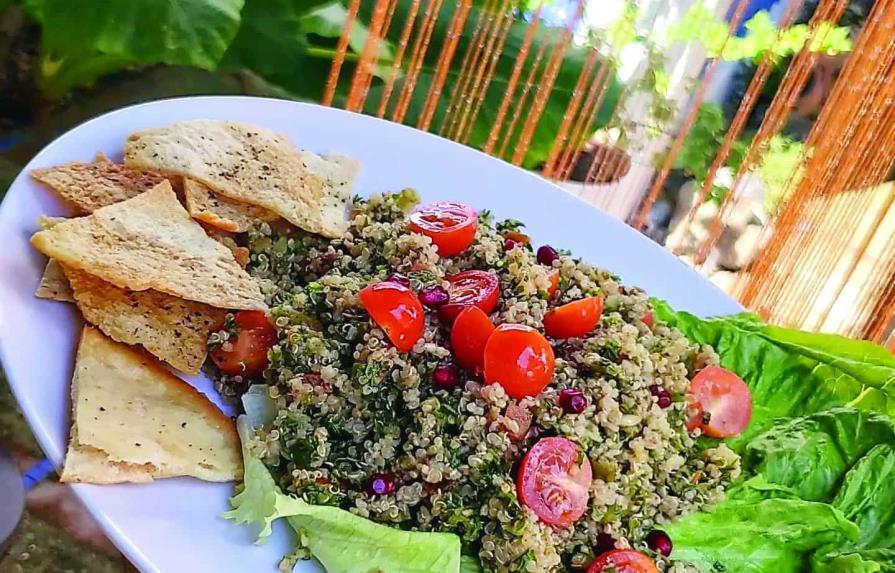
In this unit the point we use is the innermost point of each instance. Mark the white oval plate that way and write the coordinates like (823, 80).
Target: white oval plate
(173, 525)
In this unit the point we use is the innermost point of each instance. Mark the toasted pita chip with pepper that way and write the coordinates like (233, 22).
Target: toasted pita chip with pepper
(90, 186)
(170, 328)
(151, 242)
(252, 165)
(133, 421)
(221, 212)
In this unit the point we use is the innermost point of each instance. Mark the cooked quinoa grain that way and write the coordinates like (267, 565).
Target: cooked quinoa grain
(351, 406)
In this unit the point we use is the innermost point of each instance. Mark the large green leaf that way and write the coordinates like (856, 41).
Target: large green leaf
(83, 40)
(788, 376)
(867, 497)
(771, 535)
(802, 448)
(812, 455)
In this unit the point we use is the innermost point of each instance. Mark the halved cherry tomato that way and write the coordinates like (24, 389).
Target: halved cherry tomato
(470, 288)
(396, 309)
(725, 398)
(623, 561)
(470, 333)
(451, 226)
(553, 277)
(554, 481)
(520, 359)
(575, 318)
(246, 353)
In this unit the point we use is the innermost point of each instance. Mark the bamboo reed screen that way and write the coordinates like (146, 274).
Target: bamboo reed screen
(828, 255)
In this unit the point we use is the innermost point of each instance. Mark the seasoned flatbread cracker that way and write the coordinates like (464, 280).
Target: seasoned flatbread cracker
(252, 165)
(173, 329)
(151, 242)
(135, 421)
(54, 284)
(221, 212)
(90, 186)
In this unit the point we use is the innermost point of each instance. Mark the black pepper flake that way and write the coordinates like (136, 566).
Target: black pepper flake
(183, 424)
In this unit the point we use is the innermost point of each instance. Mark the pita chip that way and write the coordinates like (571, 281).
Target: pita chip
(221, 212)
(54, 284)
(151, 242)
(135, 421)
(173, 329)
(252, 165)
(90, 186)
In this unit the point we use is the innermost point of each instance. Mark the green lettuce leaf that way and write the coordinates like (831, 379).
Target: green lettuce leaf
(346, 543)
(770, 535)
(342, 541)
(788, 377)
(869, 561)
(818, 457)
(812, 455)
(867, 497)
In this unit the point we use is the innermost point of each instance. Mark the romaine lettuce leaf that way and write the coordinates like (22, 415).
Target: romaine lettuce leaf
(346, 543)
(867, 497)
(770, 535)
(787, 375)
(342, 541)
(818, 457)
(811, 455)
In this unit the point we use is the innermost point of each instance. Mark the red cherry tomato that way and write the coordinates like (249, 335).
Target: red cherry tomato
(623, 561)
(470, 288)
(396, 309)
(725, 398)
(470, 333)
(554, 481)
(520, 359)
(553, 277)
(246, 354)
(451, 226)
(574, 319)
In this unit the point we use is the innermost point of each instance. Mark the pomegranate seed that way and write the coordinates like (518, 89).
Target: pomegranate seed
(434, 296)
(546, 255)
(605, 542)
(658, 541)
(381, 484)
(572, 400)
(398, 278)
(446, 377)
(663, 396)
(509, 244)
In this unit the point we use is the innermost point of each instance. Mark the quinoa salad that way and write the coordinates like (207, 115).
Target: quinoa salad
(435, 370)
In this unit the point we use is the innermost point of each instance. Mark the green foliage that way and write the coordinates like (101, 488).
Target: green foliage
(700, 24)
(781, 167)
(288, 43)
(82, 41)
(702, 141)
